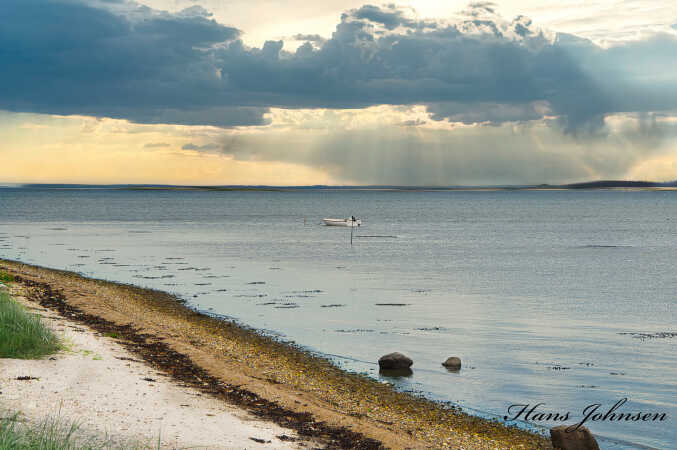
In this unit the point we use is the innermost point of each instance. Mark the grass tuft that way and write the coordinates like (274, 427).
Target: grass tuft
(48, 435)
(23, 335)
(5, 277)
(53, 433)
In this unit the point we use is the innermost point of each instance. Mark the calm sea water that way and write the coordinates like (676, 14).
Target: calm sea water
(538, 292)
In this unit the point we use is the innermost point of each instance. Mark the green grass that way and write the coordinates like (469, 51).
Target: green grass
(5, 277)
(52, 434)
(23, 335)
(48, 435)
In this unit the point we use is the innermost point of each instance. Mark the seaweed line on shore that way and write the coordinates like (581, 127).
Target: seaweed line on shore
(183, 369)
(343, 410)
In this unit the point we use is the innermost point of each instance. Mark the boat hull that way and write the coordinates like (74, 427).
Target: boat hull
(342, 222)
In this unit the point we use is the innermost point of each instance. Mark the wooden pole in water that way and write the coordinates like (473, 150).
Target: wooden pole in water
(352, 225)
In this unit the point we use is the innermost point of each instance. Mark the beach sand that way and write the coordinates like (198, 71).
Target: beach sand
(238, 368)
(109, 393)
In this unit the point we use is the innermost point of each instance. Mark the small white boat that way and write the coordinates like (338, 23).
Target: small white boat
(349, 222)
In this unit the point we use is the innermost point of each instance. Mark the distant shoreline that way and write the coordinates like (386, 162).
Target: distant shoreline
(590, 185)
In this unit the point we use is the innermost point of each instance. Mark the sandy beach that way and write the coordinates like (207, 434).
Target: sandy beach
(103, 388)
(237, 383)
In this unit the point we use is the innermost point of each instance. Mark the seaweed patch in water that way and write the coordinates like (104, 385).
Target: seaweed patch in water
(604, 246)
(333, 305)
(657, 335)
(392, 304)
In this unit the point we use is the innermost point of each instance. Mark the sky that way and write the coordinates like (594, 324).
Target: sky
(212, 92)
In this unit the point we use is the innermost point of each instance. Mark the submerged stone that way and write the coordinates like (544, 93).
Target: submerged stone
(452, 363)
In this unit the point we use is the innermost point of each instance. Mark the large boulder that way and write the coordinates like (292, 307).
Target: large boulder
(452, 363)
(395, 360)
(580, 439)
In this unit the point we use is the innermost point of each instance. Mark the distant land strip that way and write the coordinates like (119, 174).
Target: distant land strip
(602, 184)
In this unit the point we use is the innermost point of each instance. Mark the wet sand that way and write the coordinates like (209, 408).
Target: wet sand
(274, 381)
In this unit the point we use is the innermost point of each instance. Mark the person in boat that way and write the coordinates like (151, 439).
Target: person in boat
(352, 218)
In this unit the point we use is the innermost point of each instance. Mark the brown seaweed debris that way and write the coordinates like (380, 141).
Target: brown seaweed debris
(183, 369)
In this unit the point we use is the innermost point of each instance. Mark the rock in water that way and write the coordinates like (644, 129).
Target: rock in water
(580, 439)
(394, 361)
(395, 373)
(452, 363)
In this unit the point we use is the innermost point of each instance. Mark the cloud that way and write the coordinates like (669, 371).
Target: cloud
(205, 147)
(129, 61)
(124, 60)
(413, 123)
(422, 154)
(486, 112)
(156, 145)
(389, 16)
(310, 38)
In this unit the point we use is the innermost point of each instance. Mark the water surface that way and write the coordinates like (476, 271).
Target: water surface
(543, 294)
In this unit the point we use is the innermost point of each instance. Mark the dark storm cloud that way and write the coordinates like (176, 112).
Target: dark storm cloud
(66, 57)
(388, 16)
(483, 112)
(129, 61)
